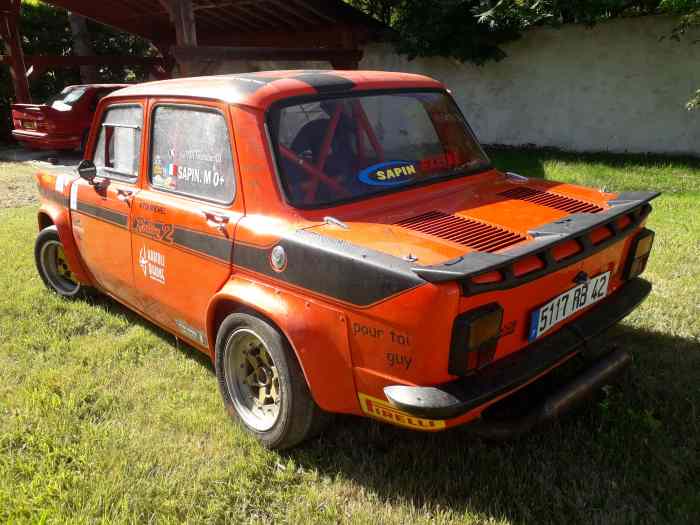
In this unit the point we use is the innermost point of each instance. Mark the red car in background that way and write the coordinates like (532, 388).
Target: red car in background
(61, 123)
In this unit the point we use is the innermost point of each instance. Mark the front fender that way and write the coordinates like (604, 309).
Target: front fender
(54, 209)
(317, 333)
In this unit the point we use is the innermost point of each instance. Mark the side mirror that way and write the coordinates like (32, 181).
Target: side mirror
(87, 170)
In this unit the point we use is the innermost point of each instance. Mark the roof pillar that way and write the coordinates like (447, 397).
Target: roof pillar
(9, 15)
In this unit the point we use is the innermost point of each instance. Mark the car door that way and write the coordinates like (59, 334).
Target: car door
(184, 217)
(101, 212)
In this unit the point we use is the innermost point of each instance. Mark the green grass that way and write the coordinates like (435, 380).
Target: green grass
(105, 418)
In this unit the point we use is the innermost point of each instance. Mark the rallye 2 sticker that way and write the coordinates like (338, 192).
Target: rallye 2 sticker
(382, 410)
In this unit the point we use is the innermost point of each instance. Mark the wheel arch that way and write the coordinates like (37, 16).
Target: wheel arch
(226, 303)
(54, 215)
(44, 220)
(324, 361)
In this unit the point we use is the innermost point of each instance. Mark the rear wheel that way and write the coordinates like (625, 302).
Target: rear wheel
(262, 384)
(52, 265)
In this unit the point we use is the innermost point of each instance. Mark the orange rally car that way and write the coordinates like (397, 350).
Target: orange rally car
(337, 241)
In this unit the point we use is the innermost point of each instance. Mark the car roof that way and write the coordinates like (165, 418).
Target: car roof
(262, 88)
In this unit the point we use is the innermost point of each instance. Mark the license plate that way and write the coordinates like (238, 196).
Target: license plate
(567, 304)
(29, 124)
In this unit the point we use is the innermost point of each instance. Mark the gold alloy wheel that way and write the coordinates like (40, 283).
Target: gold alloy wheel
(55, 267)
(62, 266)
(252, 380)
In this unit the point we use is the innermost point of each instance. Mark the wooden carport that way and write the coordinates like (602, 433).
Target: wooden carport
(191, 31)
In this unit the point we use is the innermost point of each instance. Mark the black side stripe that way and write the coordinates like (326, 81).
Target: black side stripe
(98, 212)
(216, 247)
(332, 268)
(317, 263)
(213, 246)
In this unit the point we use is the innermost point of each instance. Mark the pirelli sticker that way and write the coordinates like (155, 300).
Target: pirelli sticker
(382, 410)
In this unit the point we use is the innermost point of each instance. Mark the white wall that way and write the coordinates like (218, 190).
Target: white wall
(614, 87)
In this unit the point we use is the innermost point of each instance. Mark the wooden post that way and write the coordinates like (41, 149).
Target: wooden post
(182, 16)
(9, 14)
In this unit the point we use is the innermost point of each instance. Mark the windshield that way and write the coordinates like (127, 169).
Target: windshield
(67, 97)
(340, 149)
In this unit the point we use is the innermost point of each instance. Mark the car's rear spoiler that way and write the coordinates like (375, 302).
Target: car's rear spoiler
(577, 226)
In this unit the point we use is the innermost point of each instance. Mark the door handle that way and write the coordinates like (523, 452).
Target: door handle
(124, 195)
(216, 221)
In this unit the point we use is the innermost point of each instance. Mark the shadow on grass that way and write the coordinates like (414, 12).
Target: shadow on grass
(625, 456)
(133, 317)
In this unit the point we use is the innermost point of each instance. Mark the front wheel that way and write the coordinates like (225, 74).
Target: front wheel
(262, 384)
(52, 265)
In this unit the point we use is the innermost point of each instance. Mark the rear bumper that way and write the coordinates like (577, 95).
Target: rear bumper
(41, 140)
(458, 397)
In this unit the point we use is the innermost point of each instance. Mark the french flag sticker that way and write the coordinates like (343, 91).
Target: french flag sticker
(172, 170)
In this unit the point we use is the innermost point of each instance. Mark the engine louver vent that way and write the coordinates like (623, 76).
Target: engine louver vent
(551, 200)
(467, 232)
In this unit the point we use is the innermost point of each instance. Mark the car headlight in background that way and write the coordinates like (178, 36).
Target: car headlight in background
(639, 254)
(474, 337)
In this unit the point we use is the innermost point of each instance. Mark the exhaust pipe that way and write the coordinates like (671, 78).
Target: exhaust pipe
(558, 403)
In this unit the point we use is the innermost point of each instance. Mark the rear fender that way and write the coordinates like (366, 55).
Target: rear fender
(54, 210)
(317, 333)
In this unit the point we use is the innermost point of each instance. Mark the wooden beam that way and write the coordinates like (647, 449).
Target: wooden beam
(182, 16)
(227, 19)
(283, 6)
(277, 16)
(251, 14)
(314, 10)
(9, 14)
(51, 61)
(243, 20)
(219, 53)
(325, 36)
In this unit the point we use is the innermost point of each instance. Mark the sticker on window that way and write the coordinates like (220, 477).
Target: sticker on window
(192, 153)
(392, 173)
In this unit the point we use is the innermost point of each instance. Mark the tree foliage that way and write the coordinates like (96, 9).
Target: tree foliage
(689, 13)
(475, 30)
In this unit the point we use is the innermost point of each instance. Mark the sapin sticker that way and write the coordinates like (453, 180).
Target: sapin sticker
(394, 173)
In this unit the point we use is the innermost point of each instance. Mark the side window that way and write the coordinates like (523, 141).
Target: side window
(191, 153)
(118, 149)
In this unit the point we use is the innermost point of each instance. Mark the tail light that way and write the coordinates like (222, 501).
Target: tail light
(639, 254)
(474, 338)
(46, 126)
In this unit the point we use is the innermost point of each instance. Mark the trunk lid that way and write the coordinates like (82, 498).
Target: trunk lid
(493, 216)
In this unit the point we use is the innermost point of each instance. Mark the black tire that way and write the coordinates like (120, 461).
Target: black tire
(298, 417)
(53, 270)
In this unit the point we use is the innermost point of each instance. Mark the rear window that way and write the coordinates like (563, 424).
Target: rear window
(67, 98)
(340, 149)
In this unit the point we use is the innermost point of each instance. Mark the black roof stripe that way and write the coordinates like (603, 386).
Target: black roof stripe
(326, 82)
